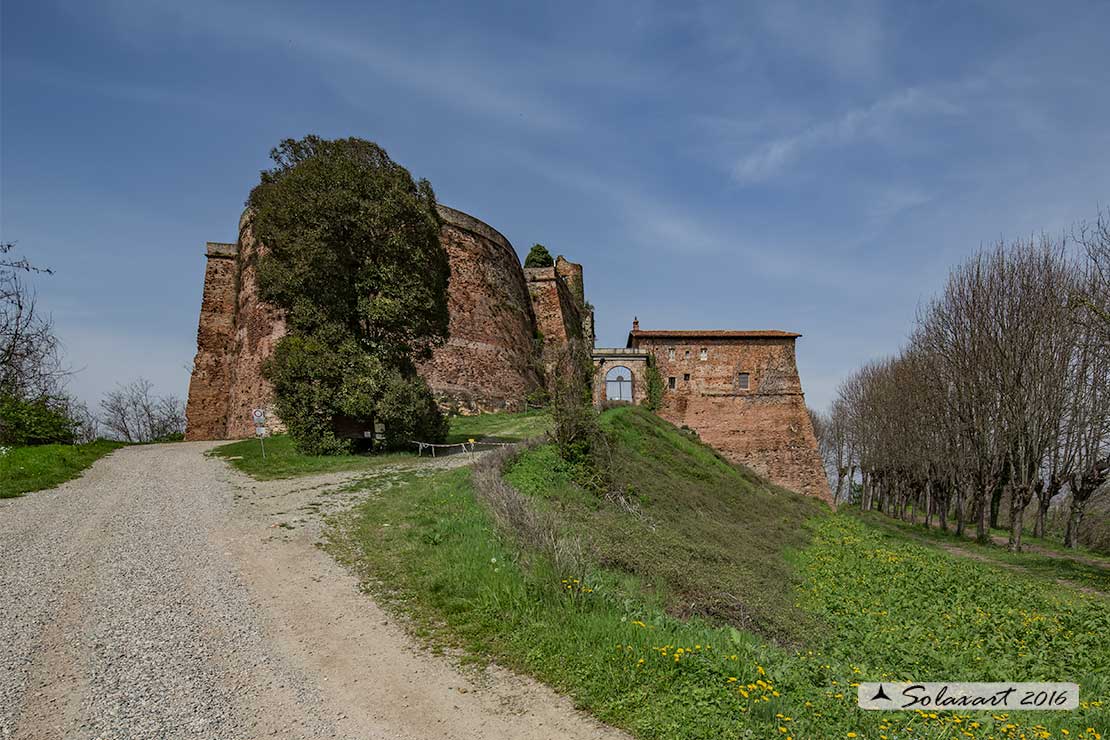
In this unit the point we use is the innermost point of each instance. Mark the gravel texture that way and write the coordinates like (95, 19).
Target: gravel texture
(164, 595)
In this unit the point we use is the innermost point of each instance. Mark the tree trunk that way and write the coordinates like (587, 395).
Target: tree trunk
(1019, 499)
(928, 503)
(959, 511)
(982, 523)
(1075, 518)
(996, 501)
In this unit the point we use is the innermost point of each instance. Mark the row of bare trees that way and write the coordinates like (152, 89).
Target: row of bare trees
(1001, 397)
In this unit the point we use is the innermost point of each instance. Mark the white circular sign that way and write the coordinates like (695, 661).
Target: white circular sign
(258, 414)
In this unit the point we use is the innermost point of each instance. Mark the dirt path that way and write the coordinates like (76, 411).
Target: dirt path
(164, 595)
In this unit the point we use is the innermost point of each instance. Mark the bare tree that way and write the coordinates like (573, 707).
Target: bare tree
(30, 359)
(134, 414)
(1001, 395)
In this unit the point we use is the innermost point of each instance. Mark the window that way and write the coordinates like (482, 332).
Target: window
(744, 380)
(687, 354)
(685, 377)
(704, 354)
(618, 384)
(671, 382)
(670, 353)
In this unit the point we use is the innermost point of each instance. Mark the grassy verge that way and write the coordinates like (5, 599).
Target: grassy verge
(283, 461)
(1061, 567)
(610, 636)
(25, 469)
(504, 427)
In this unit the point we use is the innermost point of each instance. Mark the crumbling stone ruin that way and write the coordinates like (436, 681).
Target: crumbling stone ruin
(739, 390)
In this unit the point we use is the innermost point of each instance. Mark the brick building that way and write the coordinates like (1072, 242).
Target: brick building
(739, 390)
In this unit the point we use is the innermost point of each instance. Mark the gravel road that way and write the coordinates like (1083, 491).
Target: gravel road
(164, 595)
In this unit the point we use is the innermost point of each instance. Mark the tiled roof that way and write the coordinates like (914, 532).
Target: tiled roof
(712, 333)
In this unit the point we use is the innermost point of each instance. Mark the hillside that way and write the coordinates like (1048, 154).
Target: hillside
(708, 536)
(709, 605)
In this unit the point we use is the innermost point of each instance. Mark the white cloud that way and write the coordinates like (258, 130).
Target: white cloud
(878, 121)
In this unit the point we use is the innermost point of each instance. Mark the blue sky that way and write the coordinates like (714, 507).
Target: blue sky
(816, 167)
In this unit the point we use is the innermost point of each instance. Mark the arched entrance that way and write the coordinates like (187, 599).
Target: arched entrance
(618, 384)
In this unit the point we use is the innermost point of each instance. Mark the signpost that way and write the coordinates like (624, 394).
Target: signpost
(259, 418)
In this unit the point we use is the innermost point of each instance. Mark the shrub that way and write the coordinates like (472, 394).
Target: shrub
(538, 256)
(575, 428)
(654, 382)
(324, 382)
(409, 412)
(35, 422)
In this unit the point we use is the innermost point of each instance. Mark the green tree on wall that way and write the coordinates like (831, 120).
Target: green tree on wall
(539, 257)
(352, 255)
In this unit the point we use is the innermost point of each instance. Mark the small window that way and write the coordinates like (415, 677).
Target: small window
(687, 354)
(685, 377)
(704, 354)
(671, 382)
(744, 380)
(670, 353)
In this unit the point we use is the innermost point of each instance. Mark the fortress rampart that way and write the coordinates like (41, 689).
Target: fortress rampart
(739, 390)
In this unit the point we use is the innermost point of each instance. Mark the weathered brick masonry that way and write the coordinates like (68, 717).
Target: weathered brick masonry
(486, 365)
(739, 390)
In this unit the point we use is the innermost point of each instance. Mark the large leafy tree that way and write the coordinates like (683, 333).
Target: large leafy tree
(352, 255)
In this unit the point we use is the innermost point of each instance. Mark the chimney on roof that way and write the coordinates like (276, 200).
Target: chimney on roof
(635, 324)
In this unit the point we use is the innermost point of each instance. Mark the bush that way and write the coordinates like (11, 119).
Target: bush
(35, 422)
(409, 412)
(325, 382)
(538, 256)
(654, 382)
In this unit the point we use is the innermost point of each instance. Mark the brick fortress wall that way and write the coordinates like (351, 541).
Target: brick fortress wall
(765, 426)
(487, 363)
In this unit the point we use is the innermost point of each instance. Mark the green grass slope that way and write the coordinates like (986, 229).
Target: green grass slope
(25, 469)
(709, 536)
(630, 636)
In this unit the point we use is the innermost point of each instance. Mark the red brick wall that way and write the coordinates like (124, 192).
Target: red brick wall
(258, 328)
(486, 365)
(553, 304)
(765, 427)
(206, 412)
(487, 362)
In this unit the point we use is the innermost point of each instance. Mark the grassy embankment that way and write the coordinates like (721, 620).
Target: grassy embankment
(283, 461)
(644, 636)
(25, 469)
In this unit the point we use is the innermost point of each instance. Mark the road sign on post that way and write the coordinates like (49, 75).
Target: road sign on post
(259, 418)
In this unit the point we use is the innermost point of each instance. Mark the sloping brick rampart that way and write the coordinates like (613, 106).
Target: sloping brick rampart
(487, 362)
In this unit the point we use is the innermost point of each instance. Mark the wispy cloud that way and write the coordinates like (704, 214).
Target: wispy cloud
(471, 82)
(876, 121)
